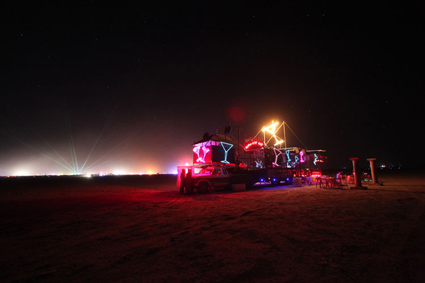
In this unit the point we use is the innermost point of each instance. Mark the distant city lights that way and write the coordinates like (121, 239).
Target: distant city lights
(93, 174)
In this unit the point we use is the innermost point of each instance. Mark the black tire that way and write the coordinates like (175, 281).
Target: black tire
(203, 187)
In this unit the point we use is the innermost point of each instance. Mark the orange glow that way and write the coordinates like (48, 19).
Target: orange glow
(272, 130)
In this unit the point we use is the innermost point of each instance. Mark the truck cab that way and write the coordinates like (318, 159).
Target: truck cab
(211, 178)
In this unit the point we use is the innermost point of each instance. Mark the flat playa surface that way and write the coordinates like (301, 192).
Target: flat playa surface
(141, 229)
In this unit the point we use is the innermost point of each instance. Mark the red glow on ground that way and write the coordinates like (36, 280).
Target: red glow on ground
(141, 229)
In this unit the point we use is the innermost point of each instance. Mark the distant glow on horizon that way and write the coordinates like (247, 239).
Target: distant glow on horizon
(124, 163)
(23, 170)
(40, 169)
(22, 173)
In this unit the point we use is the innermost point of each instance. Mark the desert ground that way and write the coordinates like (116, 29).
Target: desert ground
(140, 229)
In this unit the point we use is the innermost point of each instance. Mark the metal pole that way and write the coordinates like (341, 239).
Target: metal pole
(373, 170)
(357, 174)
(239, 152)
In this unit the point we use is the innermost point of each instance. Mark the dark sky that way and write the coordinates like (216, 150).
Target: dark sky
(125, 86)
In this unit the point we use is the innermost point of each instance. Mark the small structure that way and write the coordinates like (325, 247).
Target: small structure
(373, 171)
(264, 159)
(268, 150)
(218, 149)
(357, 174)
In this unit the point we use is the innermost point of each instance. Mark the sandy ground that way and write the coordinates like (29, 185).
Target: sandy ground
(141, 229)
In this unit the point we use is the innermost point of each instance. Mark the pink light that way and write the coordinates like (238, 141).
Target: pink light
(276, 153)
(197, 150)
(254, 144)
(302, 157)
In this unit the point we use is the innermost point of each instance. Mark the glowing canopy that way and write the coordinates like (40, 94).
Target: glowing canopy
(214, 149)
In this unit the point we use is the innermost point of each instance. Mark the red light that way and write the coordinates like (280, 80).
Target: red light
(316, 174)
(254, 144)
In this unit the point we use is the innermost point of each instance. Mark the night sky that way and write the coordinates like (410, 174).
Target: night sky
(124, 86)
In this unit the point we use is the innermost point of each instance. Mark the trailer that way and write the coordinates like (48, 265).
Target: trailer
(267, 176)
(221, 162)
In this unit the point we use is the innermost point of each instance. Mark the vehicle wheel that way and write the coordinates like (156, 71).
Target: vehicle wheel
(203, 187)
